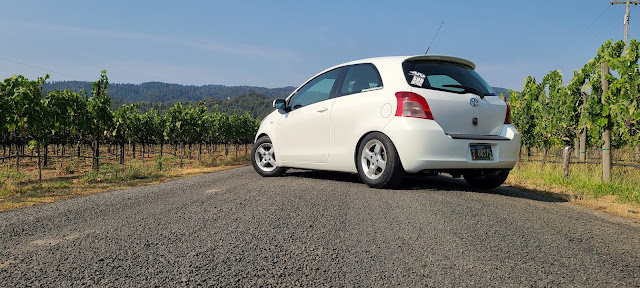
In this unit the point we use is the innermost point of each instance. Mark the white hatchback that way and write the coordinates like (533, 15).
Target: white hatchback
(384, 117)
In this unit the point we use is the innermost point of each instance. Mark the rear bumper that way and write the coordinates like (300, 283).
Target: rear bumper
(422, 145)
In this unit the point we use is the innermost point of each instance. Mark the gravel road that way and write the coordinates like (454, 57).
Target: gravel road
(235, 228)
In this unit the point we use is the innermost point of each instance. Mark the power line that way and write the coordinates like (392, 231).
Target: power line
(606, 30)
(585, 30)
(43, 69)
(594, 21)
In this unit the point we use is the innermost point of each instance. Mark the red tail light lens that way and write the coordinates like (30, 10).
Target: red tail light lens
(412, 105)
(507, 118)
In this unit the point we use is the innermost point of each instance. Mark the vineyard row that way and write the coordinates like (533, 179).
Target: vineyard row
(31, 118)
(598, 107)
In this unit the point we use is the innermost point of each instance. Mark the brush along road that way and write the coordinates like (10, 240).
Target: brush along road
(235, 228)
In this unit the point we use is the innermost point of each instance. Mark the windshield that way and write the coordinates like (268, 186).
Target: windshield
(445, 76)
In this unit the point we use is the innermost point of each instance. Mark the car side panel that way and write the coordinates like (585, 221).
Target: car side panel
(352, 117)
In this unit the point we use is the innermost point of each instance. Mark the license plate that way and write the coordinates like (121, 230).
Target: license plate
(481, 152)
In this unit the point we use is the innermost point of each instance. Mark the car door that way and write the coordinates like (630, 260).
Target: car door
(304, 130)
(359, 108)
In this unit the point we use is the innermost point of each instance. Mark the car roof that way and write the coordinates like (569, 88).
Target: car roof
(443, 58)
(393, 61)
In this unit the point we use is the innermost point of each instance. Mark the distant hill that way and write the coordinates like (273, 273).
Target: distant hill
(161, 96)
(158, 92)
(258, 105)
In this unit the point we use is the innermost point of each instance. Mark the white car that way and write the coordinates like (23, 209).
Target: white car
(384, 117)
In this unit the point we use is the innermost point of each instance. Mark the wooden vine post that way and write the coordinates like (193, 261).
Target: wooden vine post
(606, 135)
(583, 136)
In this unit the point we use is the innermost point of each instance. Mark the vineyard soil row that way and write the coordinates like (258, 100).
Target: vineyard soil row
(73, 175)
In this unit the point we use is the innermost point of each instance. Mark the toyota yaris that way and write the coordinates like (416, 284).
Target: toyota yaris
(384, 117)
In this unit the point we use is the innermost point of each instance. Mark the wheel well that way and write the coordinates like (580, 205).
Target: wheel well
(261, 134)
(355, 154)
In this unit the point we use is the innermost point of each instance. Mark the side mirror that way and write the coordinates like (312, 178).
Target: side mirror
(279, 104)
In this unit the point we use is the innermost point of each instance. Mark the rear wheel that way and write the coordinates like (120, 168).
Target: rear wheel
(378, 163)
(263, 158)
(486, 179)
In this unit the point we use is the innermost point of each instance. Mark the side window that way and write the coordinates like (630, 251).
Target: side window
(318, 89)
(360, 77)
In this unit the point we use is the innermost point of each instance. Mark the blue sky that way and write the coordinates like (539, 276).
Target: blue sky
(283, 43)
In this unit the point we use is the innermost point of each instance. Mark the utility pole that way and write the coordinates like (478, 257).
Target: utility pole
(626, 19)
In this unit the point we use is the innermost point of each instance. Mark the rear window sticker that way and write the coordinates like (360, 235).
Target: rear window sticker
(418, 78)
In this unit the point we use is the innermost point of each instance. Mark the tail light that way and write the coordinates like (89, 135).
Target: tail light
(412, 105)
(507, 118)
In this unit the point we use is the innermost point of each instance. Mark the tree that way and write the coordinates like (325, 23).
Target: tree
(529, 104)
(173, 129)
(159, 126)
(623, 95)
(4, 117)
(100, 113)
(37, 124)
(122, 127)
(24, 98)
(564, 115)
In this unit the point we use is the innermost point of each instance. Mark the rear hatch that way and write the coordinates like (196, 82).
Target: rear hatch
(461, 101)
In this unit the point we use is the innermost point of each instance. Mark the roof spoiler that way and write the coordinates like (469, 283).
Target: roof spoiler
(451, 59)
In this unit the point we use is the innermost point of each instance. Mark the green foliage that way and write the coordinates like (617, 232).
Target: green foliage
(123, 124)
(623, 96)
(584, 182)
(66, 117)
(563, 113)
(91, 177)
(12, 175)
(135, 170)
(157, 163)
(525, 112)
(99, 107)
(550, 114)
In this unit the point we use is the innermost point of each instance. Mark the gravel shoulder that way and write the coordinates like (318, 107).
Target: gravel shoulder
(315, 229)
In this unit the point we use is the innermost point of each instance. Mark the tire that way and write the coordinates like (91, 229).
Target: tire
(486, 179)
(378, 163)
(263, 158)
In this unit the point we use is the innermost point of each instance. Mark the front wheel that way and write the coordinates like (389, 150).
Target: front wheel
(378, 163)
(486, 179)
(263, 158)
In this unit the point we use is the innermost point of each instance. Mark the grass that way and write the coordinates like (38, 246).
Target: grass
(73, 176)
(621, 196)
(584, 180)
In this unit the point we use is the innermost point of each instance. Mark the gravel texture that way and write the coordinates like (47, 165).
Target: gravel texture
(235, 228)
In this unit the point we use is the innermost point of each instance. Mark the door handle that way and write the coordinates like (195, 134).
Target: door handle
(323, 109)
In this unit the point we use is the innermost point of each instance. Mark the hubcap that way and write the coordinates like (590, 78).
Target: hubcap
(374, 159)
(265, 159)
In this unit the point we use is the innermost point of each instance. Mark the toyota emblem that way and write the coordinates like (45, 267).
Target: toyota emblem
(474, 102)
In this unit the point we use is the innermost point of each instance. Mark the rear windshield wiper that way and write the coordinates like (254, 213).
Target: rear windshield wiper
(466, 89)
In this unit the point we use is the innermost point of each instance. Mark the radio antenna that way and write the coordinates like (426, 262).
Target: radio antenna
(434, 38)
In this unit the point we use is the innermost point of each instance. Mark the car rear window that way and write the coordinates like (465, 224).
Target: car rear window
(444, 76)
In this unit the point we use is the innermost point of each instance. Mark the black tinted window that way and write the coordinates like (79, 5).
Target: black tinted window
(360, 77)
(444, 76)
